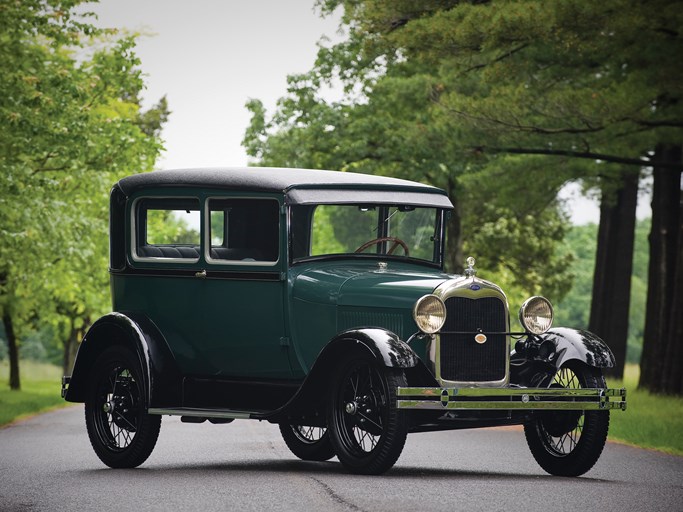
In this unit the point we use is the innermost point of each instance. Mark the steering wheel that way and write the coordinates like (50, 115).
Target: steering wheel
(397, 242)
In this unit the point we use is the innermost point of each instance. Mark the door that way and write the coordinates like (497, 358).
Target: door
(245, 334)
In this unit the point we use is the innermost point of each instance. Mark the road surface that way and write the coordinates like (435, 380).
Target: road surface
(47, 464)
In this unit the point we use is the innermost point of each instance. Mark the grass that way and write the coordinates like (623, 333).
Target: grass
(650, 421)
(40, 391)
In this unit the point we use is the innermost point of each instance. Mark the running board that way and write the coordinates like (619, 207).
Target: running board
(207, 413)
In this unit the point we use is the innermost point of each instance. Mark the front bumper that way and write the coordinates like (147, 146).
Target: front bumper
(511, 399)
(65, 385)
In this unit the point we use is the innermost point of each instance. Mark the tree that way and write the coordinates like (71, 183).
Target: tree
(662, 360)
(71, 123)
(614, 266)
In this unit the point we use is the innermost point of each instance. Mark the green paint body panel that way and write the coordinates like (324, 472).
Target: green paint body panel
(328, 297)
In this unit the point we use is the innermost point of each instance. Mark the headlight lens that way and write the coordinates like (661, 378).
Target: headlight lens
(429, 314)
(536, 315)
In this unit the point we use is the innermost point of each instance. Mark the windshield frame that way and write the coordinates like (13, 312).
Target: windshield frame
(300, 224)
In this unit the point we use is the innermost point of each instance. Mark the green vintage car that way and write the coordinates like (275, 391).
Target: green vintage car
(317, 300)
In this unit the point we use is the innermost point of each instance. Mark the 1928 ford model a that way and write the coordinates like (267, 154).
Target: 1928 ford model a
(317, 300)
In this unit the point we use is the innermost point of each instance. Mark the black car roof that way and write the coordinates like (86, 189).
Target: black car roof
(301, 185)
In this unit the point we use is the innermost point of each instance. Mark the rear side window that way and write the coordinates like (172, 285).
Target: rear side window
(244, 230)
(167, 228)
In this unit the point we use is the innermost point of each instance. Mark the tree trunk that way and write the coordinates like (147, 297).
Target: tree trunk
(663, 277)
(672, 376)
(13, 349)
(454, 257)
(613, 267)
(71, 346)
(68, 346)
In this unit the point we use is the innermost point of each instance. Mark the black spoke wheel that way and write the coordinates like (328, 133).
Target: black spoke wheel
(121, 432)
(307, 443)
(569, 443)
(366, 429)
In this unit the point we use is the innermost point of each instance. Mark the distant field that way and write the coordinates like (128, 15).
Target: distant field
(40, 391)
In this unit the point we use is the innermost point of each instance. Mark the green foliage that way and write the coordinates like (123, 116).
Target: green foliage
(562, 77)
(340, 229)
(70, 125)
(171, 227)
(574, 309)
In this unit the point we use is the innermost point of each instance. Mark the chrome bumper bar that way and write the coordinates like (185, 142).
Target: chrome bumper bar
(511, 398)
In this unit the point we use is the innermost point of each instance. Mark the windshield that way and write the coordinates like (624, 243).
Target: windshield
(400, 231)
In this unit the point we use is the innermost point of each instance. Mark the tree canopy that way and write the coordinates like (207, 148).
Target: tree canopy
(598, 80)
(71, 124)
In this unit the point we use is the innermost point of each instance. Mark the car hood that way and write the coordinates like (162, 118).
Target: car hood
(365, 286)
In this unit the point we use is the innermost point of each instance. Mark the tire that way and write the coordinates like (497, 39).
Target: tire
(569, 443)
(121, 432)
(307, 443)
(366, 429)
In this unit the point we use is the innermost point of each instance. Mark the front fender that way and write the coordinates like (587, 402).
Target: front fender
(310, 400)
(580, 345)
(136, 332)
(383, 344)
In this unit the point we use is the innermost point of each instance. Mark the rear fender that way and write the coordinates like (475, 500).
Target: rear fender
(162, 379)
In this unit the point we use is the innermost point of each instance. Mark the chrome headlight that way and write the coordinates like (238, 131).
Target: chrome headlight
(536, 315)
(429, 314)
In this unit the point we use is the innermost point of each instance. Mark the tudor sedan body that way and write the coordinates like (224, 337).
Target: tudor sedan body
(317, 300)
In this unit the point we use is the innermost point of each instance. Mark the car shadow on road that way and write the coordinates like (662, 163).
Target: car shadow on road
(327, 468)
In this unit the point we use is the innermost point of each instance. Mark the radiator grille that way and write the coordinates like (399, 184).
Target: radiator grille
(462, 358)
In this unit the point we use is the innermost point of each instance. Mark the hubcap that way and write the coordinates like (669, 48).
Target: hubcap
(351, 408)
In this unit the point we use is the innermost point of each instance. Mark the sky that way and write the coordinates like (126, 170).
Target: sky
(209, 57)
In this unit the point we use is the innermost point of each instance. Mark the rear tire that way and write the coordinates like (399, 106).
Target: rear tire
(366, 428)
(569, 443)
(121, 432)
(307, 443)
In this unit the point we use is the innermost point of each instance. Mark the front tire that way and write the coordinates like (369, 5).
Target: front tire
(366, 428)
(569, 443)
(307, 443)
(121, 432)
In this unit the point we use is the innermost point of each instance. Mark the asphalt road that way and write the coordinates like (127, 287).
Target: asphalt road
(46, 464)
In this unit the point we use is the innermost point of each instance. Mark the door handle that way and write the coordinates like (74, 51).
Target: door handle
(201, 274)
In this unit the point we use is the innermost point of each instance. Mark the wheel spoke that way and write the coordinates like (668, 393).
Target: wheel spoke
(370, 420)
(122, 417)
(566, 443)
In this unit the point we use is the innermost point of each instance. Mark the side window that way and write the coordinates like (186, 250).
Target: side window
(244, 230)
(167, 228)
